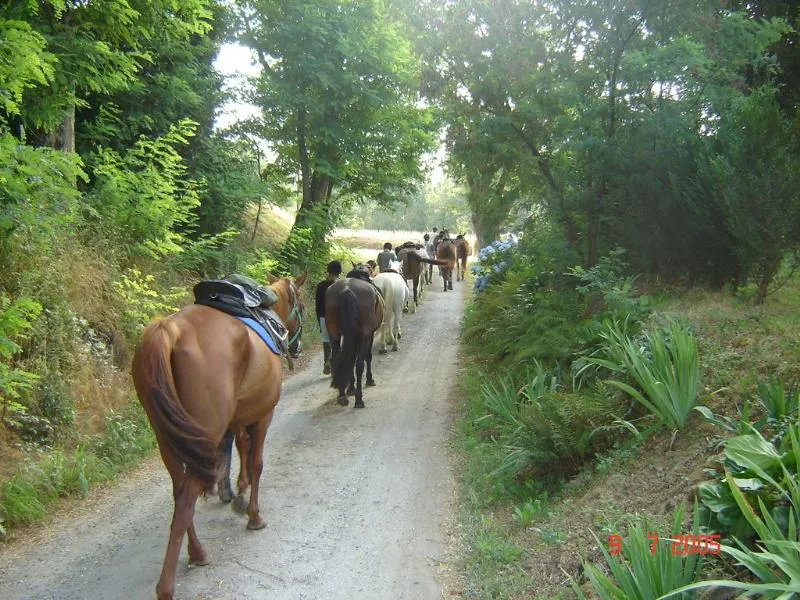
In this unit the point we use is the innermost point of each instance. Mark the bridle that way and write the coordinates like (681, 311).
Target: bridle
(295, 317)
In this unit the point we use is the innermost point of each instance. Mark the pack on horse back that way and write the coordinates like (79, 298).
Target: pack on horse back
(245, 299)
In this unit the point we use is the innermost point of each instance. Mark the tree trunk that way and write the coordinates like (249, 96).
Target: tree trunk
(63, 138)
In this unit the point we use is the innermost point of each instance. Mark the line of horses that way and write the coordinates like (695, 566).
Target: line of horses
(205, 379)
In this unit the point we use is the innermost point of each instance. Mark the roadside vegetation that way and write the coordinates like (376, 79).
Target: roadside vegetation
(598, 416)
(630, 421)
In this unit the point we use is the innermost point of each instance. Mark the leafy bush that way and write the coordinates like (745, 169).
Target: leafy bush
(142, 301)
(776, 562)
(525, 317)
(542, 431)
(643, 572)
(664, 364)
(761, 474)
(15, 319)
(143, 198)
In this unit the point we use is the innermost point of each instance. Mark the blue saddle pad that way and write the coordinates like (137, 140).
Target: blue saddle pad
(262, 333)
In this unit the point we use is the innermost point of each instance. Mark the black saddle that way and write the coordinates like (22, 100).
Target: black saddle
(241, 296)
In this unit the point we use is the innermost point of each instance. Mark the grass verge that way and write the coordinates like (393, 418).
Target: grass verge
(26, 497)
(522, 543)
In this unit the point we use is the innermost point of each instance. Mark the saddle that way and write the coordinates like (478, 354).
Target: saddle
(244, 298)
(364, 276)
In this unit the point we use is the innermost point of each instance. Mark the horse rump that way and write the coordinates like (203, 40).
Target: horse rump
(184, 438)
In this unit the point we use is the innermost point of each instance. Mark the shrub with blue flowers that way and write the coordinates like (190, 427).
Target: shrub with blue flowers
(494, 260)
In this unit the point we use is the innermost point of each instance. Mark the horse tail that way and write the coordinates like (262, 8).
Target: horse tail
(185, 438)
(351, 340)
(430, 261)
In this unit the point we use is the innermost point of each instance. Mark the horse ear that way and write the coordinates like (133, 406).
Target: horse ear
(302, 279)
(355, 266)
(271, 278)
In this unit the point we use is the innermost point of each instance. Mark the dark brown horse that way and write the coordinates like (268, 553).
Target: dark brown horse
(462, 253)
(353, 313)
(446, 253)
(413, 268)
(199, 375)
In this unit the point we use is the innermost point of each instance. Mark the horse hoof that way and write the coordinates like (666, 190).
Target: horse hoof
(382, 351)
(225, 496)
(256, 524)
(359, 404)
(342, 400)
(239, 505)
(394, 348)
(370, 383)
(200, 561)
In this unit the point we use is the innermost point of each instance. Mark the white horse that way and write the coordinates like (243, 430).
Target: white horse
(395, 293)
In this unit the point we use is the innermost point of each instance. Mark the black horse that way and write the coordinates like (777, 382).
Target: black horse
(353, 313)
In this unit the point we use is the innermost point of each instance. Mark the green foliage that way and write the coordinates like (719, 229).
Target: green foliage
(543, 432)
(338, 97)
(779, 400)
(527, 513)
(23, 63)
(664, 364)
(641, 573)
(142, 301)
(775, 563)
(528, 315)
(143, 198)
(608, 284)
(128, 437)
(761, 208)
(761, 473)
(26, 496)
(15, 320)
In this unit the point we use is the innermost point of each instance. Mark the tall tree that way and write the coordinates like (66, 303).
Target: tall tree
(338, 92)
(99, 47)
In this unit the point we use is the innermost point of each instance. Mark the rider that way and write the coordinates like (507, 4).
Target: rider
(386, 257)
(334, 270)
(431, 250)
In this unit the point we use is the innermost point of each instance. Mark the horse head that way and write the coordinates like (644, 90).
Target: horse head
(291, 309)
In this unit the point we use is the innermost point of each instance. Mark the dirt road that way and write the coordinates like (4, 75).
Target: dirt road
(355, 500)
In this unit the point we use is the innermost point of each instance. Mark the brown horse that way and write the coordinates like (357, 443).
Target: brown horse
(200, 374)
(462, 252)
(353, 313)
(412, 268)
(446, 253)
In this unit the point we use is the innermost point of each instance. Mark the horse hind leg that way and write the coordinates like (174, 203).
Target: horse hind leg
(258, 433)
(185, 491)
(359, 375)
